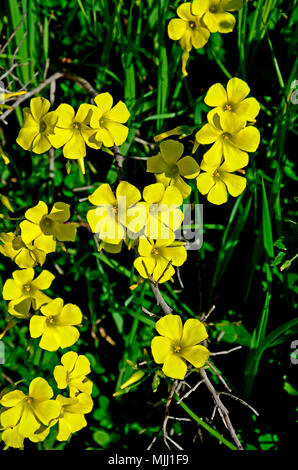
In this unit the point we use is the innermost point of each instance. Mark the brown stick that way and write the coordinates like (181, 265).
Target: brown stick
(221, 408)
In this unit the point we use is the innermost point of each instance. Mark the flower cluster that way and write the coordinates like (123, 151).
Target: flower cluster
(231, 138)
(150, 224)
(49, 318)
(32, 414)
(197, 20)
(94, 126)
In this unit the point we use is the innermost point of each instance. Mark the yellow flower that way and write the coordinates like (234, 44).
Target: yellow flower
(158, 258)
(115, 213)
(24, 292)
(25, 256)
(72, 417)
(55, 325)
(177, 344)
(216, 16)
(45, 228)
(164, 214)
(108, 121)
(38, 126)
(232, 100)
(169, 163)
(72, 131)
(229, 138)
(28, 412)
(188, 29)
(217, 181)
(73, 373)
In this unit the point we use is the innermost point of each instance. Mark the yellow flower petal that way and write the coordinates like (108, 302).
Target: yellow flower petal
(235, 184)
(60, 212)
(216, 96)
(66, 116)
(66, 335)
(230, 5)
(75, 147)
(53, 308)
(163, 270)
(205, 181)
(12, 398)
(118, 113)
(200, 37)
(28, 423)
(39, 107)
(11, 290)
(12, 438)
(118, 131)
(247, 139)
(184, 11)
(153, 193)
(237, 90)
(234, 157)
(39, 389)
(10, 417)
(214, 156)
(225, 22)
(104, 101)
(194, 332)
(174, 367)
(188, 167)
(37, 326)
(65, 232)
(36, 213)
(176, 28)
(128, 191)
(44, 280)
(177, 254)
(41, 144)
(171, 151)
(161, 347)
(60, 374)
(208, 134)
(196, 355)
(46, 410)
(218, 193)
(103, 195)
(156, 164)
(26, 137)
(70, 315)
(198, 7)
(170, 326)
(50, 341)
(23, 276)
(45, 243)
(149, 263)
(248, 109)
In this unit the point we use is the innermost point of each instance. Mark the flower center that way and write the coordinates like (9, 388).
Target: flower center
(42, 126)
(213, 9)
(155, 251)
(115, 209)
(27, 287)
(192, 24)
(172, 171)
(102, 122)
(216, 174)
(226, 136)
(228, 107)
(76, 125)
(50, 319)
(29, 400)
(46, 225)
(177, 348)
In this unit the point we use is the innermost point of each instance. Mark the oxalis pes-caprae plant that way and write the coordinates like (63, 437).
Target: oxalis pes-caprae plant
(123, 218)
